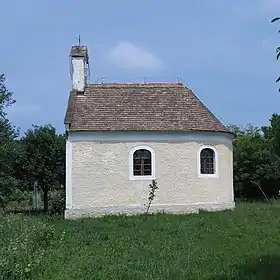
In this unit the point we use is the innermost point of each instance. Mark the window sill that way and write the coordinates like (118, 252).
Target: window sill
(143, 178)
(208, 175)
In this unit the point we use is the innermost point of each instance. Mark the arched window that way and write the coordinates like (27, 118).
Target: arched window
(207, 161)
(142, 163)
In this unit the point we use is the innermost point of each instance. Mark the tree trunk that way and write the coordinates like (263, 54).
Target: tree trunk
(46, 200)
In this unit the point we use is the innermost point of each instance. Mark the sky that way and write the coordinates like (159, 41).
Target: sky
(223, 50)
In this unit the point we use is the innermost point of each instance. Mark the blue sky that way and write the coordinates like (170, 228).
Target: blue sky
(223, 50)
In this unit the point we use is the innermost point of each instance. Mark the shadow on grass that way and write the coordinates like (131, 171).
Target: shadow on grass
(39, 213)
(25, 212)
(263, 268)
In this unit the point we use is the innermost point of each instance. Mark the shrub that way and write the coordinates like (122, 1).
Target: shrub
(20, 200)
(57, 202)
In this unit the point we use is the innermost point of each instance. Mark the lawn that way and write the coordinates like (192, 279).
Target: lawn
(244, 244)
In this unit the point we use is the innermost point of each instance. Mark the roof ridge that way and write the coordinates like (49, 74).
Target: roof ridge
(147, 85)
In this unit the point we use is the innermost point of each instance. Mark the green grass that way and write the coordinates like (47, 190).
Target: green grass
(244, 244)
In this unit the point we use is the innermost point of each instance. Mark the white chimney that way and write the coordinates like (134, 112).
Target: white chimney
(79, 64)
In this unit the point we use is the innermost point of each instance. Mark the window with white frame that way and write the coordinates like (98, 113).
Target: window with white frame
(142, 163)
(208, 161)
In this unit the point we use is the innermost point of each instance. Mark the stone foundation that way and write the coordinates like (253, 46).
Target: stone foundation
(139, 209)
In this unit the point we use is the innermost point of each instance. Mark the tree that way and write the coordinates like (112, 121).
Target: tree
(271, 135)
(278, 48)
(8, 134)
(247, 160)
(44, 158)
(257, 160)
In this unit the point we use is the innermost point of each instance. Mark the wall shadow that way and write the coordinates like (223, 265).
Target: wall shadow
(263, 268)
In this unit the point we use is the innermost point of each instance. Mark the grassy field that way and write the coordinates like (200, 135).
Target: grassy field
(244, 244)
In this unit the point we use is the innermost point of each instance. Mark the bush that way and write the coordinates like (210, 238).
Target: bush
(57, 202)
(20, 200)
(7, 185)
(23, 244)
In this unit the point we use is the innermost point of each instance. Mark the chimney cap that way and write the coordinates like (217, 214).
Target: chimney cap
(79, 51)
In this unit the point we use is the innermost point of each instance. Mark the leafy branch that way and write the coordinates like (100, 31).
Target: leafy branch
(278, 48)
(153, 187)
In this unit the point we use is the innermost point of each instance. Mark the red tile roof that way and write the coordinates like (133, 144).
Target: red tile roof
(139, 107)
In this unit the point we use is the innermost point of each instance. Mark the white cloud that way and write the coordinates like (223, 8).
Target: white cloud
(129, 56)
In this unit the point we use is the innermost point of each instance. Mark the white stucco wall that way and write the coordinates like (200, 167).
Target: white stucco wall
(78, 75)
(99, 182)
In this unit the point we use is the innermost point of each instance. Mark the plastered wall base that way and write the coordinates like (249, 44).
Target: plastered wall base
(139, 209)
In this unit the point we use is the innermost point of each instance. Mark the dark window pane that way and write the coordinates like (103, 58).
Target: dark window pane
(207, 161)
(142, 163)
(137, 172)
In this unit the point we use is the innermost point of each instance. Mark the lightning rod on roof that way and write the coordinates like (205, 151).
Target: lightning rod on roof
(79, 40)
(101, 79)
(179, 80)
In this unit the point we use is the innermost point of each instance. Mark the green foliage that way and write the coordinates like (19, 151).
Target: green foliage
(241, 244)
(57, 202)
(8, 150)
(44, 158)
(20, 200)
(278, 48)
(275, 19)
(38, 156)
(8, 170)
(257, 160)
(153, 187)
(6, 97)
(23, 245)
